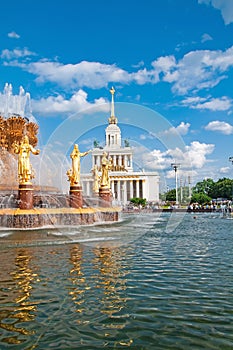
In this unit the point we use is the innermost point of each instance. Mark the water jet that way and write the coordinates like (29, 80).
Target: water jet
(24, 205)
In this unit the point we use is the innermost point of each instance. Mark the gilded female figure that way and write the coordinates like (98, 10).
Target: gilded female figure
(74, 173)
(24, 166)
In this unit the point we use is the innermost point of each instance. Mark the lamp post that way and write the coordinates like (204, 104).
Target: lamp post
(175, 167)
(231, 160)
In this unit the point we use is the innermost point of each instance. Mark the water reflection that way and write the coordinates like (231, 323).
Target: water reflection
(15, 296)
(77, 278)
(98, 285)
(112, 279)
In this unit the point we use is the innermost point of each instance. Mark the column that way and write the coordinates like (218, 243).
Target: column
(131, 188)
(124, 199)
(124, 162)
(137, 188)
(143, 189)
(88, 192)
(118, 190)
(98, 160)
(112, 188)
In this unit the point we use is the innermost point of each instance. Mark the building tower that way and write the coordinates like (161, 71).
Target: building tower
(125, 183)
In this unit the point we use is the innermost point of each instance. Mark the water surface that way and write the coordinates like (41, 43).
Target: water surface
(131, 284)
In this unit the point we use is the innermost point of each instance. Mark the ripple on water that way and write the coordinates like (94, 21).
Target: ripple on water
(155, 290)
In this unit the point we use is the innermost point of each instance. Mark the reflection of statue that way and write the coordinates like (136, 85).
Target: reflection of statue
(96, 179)
(25, 172)
(74, 173)
(22, 280)
(112, 280)
(106, 165)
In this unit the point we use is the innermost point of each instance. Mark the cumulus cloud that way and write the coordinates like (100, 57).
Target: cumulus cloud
(224, 170)
(181, 129)
(54, 105)
(16, 53)
(201, 69)
(223, 127)
(214, 104)
(225, 6)
(197, 152)
(88, 74)
(193, 156)
(196, 70)
(13, 35)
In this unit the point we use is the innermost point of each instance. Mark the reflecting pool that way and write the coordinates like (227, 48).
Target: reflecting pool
(131, 284)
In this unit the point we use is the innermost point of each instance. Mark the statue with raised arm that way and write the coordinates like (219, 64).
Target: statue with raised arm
(25, 171)
(74, 172)
(106, 165)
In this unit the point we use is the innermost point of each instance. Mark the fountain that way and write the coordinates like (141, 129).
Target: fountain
(24, 205)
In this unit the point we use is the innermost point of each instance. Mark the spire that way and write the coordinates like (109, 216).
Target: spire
(112, 90)
(112, 119)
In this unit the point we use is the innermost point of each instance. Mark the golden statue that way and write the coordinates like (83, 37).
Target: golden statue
(96, 179)
(106, 165)
(74, 173)
(25, 171)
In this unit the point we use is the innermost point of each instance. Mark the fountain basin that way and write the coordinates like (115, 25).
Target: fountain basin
(39, 217)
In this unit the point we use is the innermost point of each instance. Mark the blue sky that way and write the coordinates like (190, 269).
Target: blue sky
(170, 60)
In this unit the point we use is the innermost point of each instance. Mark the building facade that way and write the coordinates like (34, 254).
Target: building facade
(125, 183)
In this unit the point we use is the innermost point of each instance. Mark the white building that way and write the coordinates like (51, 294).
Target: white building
(125, 183)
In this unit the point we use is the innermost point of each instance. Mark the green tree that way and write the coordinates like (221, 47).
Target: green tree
(206, 186)
(200, 198)
(171, 195)
(138, 201)
(224, 188)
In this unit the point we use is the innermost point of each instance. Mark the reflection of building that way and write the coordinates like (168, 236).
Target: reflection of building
(125, 183)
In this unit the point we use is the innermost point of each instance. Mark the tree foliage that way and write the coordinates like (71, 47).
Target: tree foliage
(138, 201)
(171, 195)
(223, 188)
(200, 198)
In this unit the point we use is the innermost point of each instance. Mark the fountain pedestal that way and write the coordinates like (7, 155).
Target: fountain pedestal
(26, 196)
(106, 196)
(76, 197)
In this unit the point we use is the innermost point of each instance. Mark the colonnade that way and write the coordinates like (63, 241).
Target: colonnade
(122, 189)
(121, 159)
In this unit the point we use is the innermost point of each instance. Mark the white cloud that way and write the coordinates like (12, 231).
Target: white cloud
(138, 65)
(206, 37)
(193, 156)
(223, 127)
(16, 53)
(89, 74)
(214, 104)
(224, 170)
(54, 105)
(196, 70)
(225, 6)
(201, 69)
(181, 129)
(13, 35)
(197, 153)
(164, 63)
